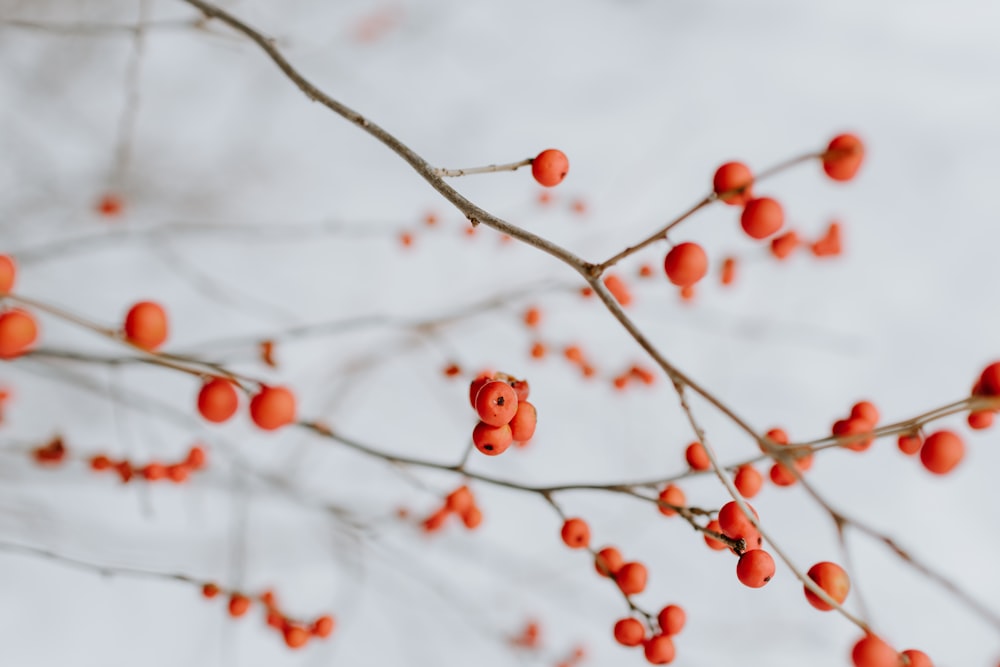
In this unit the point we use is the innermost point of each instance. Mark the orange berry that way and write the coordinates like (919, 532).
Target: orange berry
(755, 568)
(697, 457)
(870, 651)
(832, 579)
(532, 317)
(608, 561)
(618, 289)
(18, 332)
(272, 407)
(124, 470)
(844, 428)
(785, 244)
(435, 521)
(713, 543)
(538, 350)
(942, 451)
(459, 500)
(295, 636)
(672, 619)
(645, 271)
(110, 205)
(917, 658)
(629, 632)
(989, 380)
(406, 239)
(267, 353)
(100, 462)
(829, 245)
(521, 388)
(866, 410)
(576, 533)
(620, 382)
(659, 650)
(734, 178)
(178, 473)
(762, 217)
(843, 157)
(8, 273)
(728, 270)
(734, 524)
(781, 475)
(430, 219)
(686, 264)
(588, 371)
(472, 517)
(573, 353)
(452, 370)
(218, 400)
(322, 626)
(631, 578)
(238, 605)
(146, 325)
(980, 419)
(478, 383)
(210, 590)
(688, 293)
(496, 403)
(492, 440)
(910, 443)
(550, 167)
(748, 481)
(647, 376)
(195, 458)
(522, 424)
(154, 472)
(672, 495)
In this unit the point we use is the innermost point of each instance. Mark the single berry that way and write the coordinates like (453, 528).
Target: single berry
(748, 481)
(659, 650)
(295, 636)
(146, 325)
(697, 457)
(496, 403)
(713, 543)
(629, 632)
(608, 561)
(755, 568)
(492, 440)
(672, 619)
(238, 605)
(550, 167)
(631, 578)
(478, 383)
(917, 658)
(870, 651)
(942, 451)
(910, 443)
(322, 626)
(272, 407)
(8, 273)
(218, 400)
(576, 533)
(18, 332)
(522, 425)
(729, 178)
(672, 495)
(762, 217)
(832, 579)
(686, 264)
(843, 157)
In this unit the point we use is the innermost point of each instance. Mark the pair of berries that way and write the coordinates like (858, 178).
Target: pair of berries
(270, 408)
(505, 415)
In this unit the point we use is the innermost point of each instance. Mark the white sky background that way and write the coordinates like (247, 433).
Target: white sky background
(646, 99)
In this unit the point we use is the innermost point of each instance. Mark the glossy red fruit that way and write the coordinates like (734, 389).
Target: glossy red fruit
(218, 400)
(550, 167)
(685, 264)
(762, 217)
(729, 177)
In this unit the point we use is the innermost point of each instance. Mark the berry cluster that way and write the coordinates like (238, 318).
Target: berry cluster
(295, 633)
(505, 415)
(270, 408)
(18, 328)
(462, 504)
(55, 452)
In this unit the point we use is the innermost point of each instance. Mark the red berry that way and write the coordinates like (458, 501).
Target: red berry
(629, 632)
(576, 533)
(492, 440)
(917, 658)
(659, 650)
(748, 481)
(843, 157)
(110, 205)
(323, 626)
(755, 568)
(238, 605)
(762, 217)
(209, 590)
(713, 543)
(272, 408)
(942, 451)
(295, 636)
(832, 579)
(550, 167)
(218, 400)
(732, 176)
(496, 403)
(697, 457)
(989, 380)
(608, 561)
(8, 273)
(672, 619)
(870, 651)
(146, 325)
(477, 384)
(672, 495)
(686, 264)
(866, 410)
(980, 419)
(522, 425)
(910, 443)
(631, 578)
(784, 245)
(18, 332)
